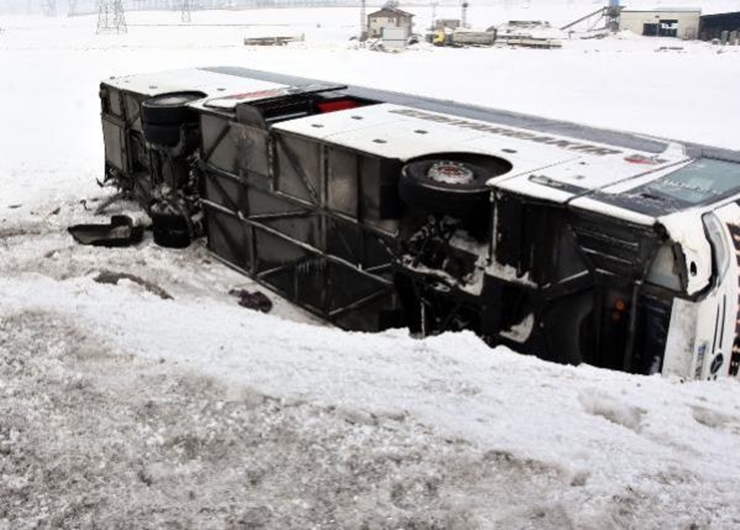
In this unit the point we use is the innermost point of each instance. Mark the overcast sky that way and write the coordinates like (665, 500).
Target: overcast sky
(86, 6)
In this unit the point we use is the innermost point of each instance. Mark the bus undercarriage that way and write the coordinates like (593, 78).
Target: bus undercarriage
(371, 242)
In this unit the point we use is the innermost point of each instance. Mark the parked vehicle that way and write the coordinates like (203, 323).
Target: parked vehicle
(376, 209)
(473, 38)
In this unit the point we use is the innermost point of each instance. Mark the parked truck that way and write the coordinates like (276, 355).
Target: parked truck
(375, 209)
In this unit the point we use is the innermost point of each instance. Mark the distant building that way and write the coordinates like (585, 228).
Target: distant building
(714, 25)
(388, 17)
(673, 22)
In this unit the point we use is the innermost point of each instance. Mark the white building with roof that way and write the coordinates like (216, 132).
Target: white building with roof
(389, 17)
(662, 22)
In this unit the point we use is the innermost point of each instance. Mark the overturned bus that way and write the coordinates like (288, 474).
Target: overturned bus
(375, 209)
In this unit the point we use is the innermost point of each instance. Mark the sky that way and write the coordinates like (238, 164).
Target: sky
(38, 6)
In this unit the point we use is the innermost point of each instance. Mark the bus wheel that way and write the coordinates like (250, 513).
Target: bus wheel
(164, 135)
(170, 109)
(446, 187)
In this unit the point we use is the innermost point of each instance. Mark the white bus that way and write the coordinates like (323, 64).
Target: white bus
(376, 209)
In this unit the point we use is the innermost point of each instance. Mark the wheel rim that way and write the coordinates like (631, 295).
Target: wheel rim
(171, 100)
(177, 99)
(449, 172)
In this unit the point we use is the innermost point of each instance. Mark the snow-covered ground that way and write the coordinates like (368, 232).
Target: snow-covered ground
(121, 408)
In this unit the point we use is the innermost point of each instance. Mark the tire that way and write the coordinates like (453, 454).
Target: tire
(167, 221)
(169, 109)
(446, 187)
(172, 238)
(164, 135)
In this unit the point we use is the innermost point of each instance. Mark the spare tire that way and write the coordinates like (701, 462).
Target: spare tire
(164, 135)
(170, 109)
(446, 187)
(168, 221)
(170, 230)
(172, 238)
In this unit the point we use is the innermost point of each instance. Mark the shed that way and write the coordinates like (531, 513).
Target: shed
(714, 25)
(673, 22)
(388, 17)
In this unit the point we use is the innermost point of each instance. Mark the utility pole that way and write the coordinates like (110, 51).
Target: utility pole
(50, 8)
(363, 21)
(464, 13)
(111, 18)
(185, 11)
(72, 8)
(613, 13)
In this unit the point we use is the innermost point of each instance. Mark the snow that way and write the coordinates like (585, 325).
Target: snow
(121, 408)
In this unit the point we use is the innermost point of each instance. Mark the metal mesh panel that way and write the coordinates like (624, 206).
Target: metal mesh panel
(376, 315)
(274, 251)
(114, 99)
(377, 250)
(132, 112)
(343, 182)
(265, 203)
(299, 168)
(349, 286)
(228, 237)
(344, 240)
(251, 148)
(358, 301)
(303, 227)
(287, 218)
(357, 245)
(113, 138)
(218, 147)
(226, 191)
(315, 234)
(311, 282)
(380, 206)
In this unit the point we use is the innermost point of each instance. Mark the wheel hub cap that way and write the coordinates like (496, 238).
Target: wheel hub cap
(450, 173)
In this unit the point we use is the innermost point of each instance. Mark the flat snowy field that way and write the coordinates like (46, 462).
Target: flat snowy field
(121, 409)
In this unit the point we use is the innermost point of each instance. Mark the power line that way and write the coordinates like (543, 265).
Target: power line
(111, 18)
(363, 21)
(50, 8)
(185, 11)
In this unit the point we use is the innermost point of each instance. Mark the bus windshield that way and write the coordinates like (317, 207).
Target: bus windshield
(700, 182)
